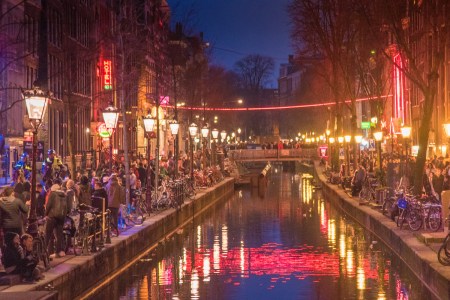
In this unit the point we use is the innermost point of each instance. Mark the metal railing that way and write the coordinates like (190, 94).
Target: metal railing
(272, 154)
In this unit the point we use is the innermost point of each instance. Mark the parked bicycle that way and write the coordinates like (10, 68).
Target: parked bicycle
(367, 193)
(444, 251)
(39, 244)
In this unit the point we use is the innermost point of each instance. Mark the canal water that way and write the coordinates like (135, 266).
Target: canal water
(290, 244)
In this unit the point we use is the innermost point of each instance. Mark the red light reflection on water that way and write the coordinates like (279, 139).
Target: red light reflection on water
(268, 260)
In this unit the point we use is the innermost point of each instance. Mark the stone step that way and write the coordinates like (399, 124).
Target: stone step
(431, 237)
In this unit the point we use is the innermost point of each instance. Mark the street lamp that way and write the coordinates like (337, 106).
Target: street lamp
(193, 128)
(36, 101)
(223, 135)
(205, 134)
(149, 125)
(110, 116)
(378, 137)
(174, 127)
(406, 134)
(215, 135)
(358, 140)
(347, 139)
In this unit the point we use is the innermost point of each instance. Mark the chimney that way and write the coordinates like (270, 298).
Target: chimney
(291, 59)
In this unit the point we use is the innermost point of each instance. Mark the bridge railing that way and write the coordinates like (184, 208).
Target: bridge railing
(271, 154)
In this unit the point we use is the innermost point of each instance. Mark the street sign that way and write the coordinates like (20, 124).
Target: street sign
(365, 125)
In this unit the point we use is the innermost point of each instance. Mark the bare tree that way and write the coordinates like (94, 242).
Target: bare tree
(422, 69)
(254, 71)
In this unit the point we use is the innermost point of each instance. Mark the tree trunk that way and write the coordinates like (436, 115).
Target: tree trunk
(424, 130)
(70, 126)
(122, 96)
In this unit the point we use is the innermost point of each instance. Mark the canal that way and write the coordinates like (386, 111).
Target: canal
(290, 244)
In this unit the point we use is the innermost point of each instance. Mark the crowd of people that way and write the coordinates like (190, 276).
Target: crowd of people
(435, 179)
(58, 194)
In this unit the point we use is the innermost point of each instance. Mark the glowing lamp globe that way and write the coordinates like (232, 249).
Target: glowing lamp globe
(110, 116)
(193, 128)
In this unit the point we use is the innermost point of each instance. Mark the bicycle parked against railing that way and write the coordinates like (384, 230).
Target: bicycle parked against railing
(430, 213)
(39, 244)
(409, 212)
(367, 192)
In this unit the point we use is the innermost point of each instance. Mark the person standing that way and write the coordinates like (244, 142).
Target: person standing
(114, 191)
(100, 192)
(142, 174)
(11, 209)
(84, 191)
(56, 211)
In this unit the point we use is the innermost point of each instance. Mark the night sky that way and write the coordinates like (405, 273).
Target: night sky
(236, 28)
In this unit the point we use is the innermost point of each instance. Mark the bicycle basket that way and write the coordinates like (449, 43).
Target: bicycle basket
(402, 203)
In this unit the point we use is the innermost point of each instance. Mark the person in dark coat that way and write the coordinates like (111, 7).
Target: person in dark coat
(100, 192)
(56, 211)
(142, 174)
(85, 191)
(12, 253)
(114, 191)
(11, 209)
(40, 200)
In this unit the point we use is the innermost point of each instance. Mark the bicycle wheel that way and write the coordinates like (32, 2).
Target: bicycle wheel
(387, 206)
(137, 216)
(401, 218)
(415, 219)
(364, 194)
(41, 252)
(444, 252)
(434, 218)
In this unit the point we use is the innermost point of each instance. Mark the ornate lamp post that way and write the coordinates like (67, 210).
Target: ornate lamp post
(193, 128)
(205, 134)
(347, 139)
(223, 136)
(174, 127)
(331, 141)
(358, 140)
(110, 116)
(215, 135)
(378, 138)
(149, 125)
(406, 134)
(36, 101)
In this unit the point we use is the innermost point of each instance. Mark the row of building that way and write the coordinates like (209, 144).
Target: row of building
(97, 52)
(422, 29)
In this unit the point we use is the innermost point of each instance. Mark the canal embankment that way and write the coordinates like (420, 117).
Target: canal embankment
(419, 257)
(78, 274)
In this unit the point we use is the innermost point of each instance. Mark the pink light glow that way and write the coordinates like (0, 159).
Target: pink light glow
(399, 88)
(201, 108)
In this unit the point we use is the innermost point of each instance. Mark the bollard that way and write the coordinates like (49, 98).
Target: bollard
(445, 200)
(101, 242)
(85, 250)
(108, 227)
(94, 234)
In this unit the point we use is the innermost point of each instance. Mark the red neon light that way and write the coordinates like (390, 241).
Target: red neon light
(274, 107)
(399, 88)
(107, 80)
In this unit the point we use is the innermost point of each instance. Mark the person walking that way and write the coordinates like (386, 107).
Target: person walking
(11, 210)
(84, 191)
(56, 211)
(114, 191)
